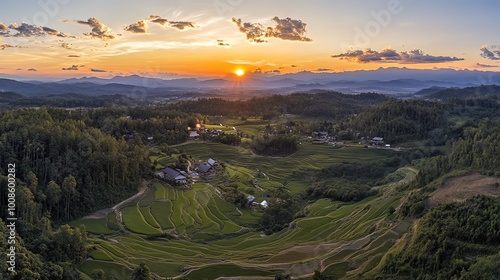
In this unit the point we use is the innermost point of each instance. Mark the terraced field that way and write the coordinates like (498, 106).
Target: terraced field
(196, 234)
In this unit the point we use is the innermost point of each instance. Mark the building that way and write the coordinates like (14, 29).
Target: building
(212, 162)
(194, 134)
(377, 141)
(174, 175)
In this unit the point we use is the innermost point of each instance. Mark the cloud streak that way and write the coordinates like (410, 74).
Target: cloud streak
(73, 68)
(29, 30)
(392, 56)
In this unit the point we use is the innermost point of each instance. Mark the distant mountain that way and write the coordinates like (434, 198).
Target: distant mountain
(428, 91)
(468, 92)
(383, 80)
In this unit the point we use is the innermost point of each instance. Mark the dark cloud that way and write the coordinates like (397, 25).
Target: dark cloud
(323, 69)
(222, 43)
(19, 69)
(490, 54)
(288, 29)
(73, 68)
(392, 56)
(486, 65)
(73, 55)
(293, 65)
(32, 70)
(257, 71)
(158, 19)
(53, 32)
(276, 71)
(253, 31)
(99, 30)
(27, 30)
(181, 25)
(137, 27)
(97, 70)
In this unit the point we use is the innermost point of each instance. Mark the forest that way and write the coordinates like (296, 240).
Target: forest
(73, 162)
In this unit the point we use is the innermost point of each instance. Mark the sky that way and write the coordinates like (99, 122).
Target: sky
(58, 39)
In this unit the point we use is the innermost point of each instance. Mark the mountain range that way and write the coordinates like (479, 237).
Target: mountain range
(382, 80)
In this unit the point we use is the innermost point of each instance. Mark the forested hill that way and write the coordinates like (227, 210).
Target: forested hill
(468, 92)
(325, 104)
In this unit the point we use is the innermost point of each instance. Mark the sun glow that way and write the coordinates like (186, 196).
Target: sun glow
(239, 72)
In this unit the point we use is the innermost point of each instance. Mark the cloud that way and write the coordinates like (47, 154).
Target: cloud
(4, 29)
(5, 46)
(67, 46)
(19, 69)
(73, 55)
(285, 29)
(29, 30)
(138, 27)
(99, 30)
(32, 70)
(486, 65)
(222, 43)
(247, 62)
(490, 54)
(257, 71)
(54, 32)
(293, 65)
(158, 19)
(288, 29)
(97, 70)
(276, 71)
(323, 69)
(181, 25)
(392, 56)
(253, 31)
(73, 68)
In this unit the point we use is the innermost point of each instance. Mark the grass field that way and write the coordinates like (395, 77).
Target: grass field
(196, 234)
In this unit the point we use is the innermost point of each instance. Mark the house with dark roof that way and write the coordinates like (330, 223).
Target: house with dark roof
(174, 175)
(377, 141)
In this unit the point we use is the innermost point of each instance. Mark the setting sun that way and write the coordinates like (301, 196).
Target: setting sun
(239, 72)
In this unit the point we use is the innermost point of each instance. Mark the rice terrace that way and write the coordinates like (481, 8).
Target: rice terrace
(194, 233)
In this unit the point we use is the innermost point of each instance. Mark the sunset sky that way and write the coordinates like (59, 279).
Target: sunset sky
(171, 39)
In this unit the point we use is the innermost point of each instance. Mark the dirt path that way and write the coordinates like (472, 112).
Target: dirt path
(103, 212)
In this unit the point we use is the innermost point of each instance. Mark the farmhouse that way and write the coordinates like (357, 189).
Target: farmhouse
(212, 162)
(264, 204)
(377, 141)
(174, 175)
(194, 134)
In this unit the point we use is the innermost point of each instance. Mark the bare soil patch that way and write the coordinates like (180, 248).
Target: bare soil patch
(461, 188)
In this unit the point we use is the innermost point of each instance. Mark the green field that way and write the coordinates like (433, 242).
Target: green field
(196, 234)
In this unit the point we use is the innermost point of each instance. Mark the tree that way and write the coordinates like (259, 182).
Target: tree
(98, 274)
(53, 193)
(318, 275)
(68, 189)
(141, 272)
(282, 277)
(32, 181)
